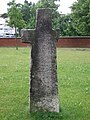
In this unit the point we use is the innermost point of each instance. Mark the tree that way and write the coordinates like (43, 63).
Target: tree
(48, 4)
(25, 9)
(66, 25)
(29, 11)
(15, 18)
(81, 17)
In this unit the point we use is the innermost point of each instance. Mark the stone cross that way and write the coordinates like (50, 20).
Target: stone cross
(43, 73)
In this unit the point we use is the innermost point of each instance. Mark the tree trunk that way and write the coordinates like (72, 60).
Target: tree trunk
(16, 39)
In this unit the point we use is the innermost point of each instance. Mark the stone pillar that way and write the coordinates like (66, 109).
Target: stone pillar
(43, 73)
(44, 84)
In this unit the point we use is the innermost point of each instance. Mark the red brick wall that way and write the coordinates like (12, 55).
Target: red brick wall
(62, 42)
(11, 42)
(74, 42)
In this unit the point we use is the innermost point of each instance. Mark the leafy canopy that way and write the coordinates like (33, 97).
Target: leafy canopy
(15, 15)
(81, 17)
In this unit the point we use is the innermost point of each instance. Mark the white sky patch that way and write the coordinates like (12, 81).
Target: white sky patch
(64, 5)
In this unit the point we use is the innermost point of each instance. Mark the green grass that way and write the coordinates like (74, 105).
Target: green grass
(73, 79)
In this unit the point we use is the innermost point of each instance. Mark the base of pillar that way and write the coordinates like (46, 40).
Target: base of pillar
(46, 104)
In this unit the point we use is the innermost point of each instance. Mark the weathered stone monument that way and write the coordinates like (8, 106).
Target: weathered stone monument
(43, 73)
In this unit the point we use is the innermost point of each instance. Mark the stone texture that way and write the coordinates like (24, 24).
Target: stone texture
(28, 35)
(43, 73)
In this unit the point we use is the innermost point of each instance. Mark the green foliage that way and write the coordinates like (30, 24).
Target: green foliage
(75, 24)
(78, 22)
(15, 15)
(26, 10)
(29, 11)
(73, 78)
(66, 25)
(81, 17)
(47, 4)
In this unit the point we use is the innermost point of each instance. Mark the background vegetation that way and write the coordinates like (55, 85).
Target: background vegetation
(73, 79)
(77, 23)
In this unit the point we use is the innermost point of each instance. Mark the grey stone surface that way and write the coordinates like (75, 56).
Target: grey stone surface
(43, 73)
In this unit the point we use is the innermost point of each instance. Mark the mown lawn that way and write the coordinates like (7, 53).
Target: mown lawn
(73, 79)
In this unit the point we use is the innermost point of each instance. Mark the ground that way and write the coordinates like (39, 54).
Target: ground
(73, 80)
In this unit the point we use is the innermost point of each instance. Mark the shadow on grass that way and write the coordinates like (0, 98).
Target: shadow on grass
(45, 116)
(49, 115)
